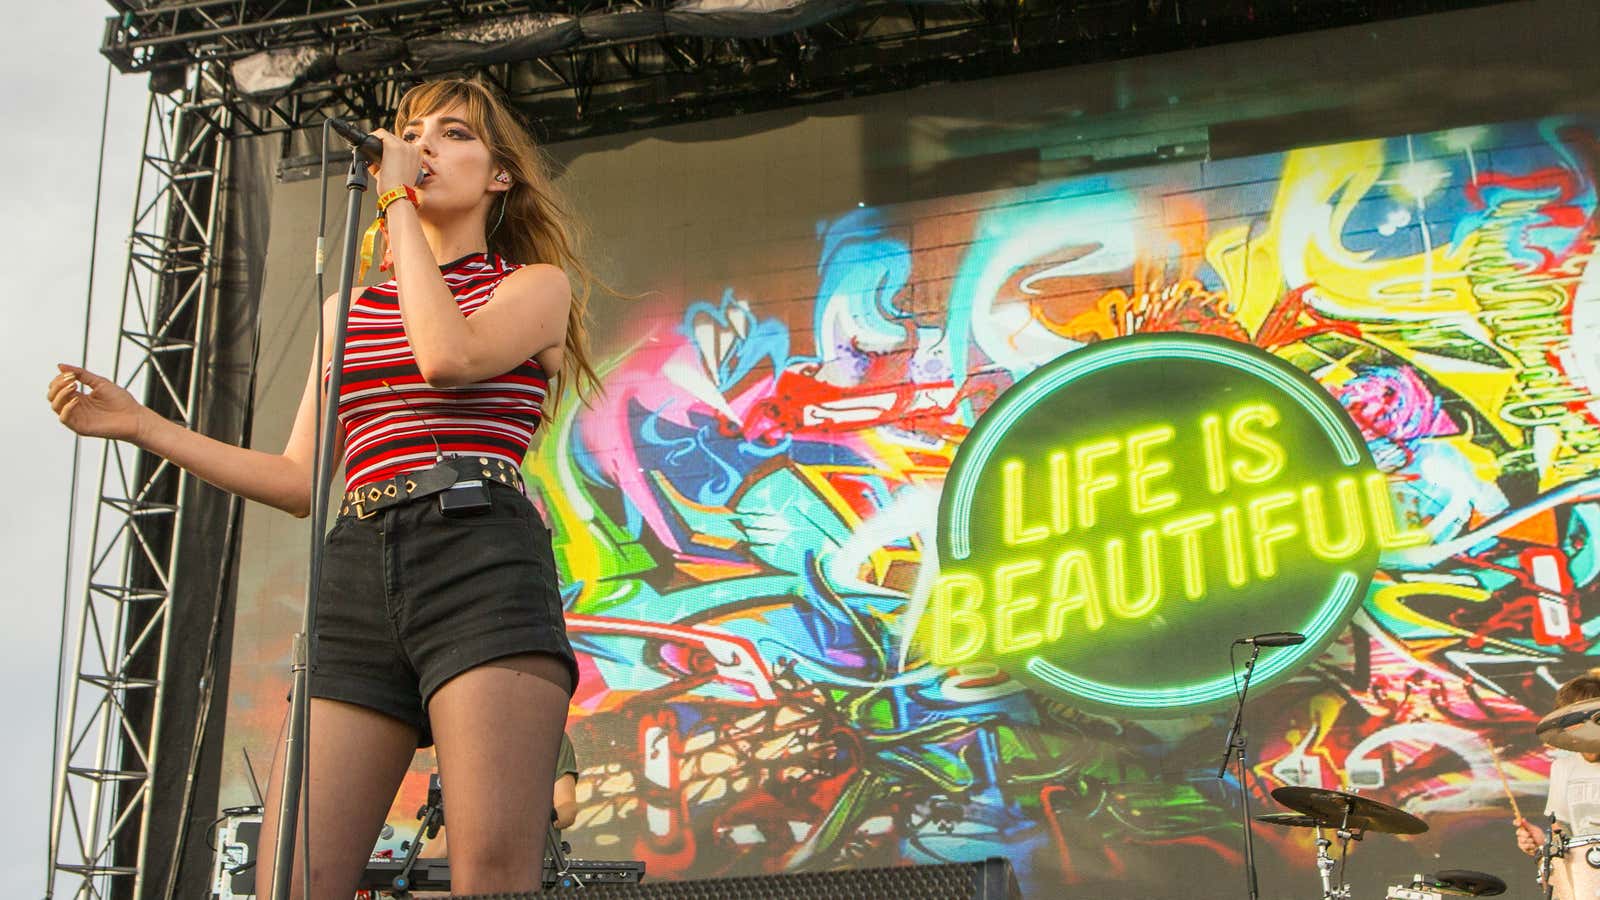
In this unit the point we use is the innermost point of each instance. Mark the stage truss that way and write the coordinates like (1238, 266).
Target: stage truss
(111, 720)
(581, 68)
(225, 69)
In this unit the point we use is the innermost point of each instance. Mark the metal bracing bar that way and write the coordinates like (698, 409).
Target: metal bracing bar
(204, 288)
(108, 758)
(282, 22)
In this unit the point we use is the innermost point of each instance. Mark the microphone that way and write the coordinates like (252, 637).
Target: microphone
(370, 148)
(1274, 639)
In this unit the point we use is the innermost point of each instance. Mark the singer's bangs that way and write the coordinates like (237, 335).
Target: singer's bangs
(430, 97)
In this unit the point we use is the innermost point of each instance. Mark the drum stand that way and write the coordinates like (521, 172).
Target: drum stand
(1553, 849)
(1326, 863)
(1325, 866)
(555, 854)
(1320, 808)
(432, 818)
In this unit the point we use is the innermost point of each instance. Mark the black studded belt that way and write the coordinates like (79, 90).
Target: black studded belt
(376, 496)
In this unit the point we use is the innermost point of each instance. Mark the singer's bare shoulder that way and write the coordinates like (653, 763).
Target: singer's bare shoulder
(330, 316)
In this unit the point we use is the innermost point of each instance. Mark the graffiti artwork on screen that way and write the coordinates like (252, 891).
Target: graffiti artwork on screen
(747, 523)
(748, 520)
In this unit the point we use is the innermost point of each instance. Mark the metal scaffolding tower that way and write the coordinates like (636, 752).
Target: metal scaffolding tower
(111, 720)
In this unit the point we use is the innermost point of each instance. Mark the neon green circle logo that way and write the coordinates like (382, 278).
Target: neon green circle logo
(1122, 514)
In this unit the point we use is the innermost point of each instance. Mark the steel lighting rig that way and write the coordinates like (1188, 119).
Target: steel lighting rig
(584, 67)
(103, 796)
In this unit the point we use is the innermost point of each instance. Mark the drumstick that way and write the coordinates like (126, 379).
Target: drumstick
(1494, 754)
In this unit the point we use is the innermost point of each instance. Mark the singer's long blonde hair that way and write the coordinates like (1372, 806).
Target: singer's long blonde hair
(536, 226)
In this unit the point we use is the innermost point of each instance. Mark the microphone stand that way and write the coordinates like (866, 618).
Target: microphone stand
(294, 758)
(1236, 749)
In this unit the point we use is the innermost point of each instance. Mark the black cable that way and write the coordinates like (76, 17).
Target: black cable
(208, 673)
(438, 451)
(211, 831)
(208, 682)
(72, 496)
(1233, 670)
(1233, 673)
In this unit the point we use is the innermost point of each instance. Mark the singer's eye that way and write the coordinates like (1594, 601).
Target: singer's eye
(458, 134)
(409, 136)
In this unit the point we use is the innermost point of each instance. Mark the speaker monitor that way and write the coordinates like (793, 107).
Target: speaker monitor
(991, 879)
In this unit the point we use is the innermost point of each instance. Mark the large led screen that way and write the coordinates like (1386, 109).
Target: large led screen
(1345, 390)
(748, 522)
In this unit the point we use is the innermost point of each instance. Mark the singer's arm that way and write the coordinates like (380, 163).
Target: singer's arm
(526, 315)
(281, 479)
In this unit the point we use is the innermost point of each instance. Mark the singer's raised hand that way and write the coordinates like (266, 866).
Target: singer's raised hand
(105, 409)
(401, 162)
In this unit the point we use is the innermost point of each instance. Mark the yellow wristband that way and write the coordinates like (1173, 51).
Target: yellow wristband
(403, 192)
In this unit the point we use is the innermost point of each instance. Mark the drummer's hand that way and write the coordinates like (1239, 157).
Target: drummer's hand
(1530, 837)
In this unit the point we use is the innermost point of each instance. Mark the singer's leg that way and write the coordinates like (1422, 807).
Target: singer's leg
(498, 730)
(357, 759)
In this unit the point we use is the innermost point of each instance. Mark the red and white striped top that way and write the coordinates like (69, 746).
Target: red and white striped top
(392, 417)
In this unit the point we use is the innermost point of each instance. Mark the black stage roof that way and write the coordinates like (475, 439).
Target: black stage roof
(586, 67)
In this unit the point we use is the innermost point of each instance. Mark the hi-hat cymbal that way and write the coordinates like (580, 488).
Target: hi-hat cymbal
(1358, 813)
(1573, 727)
(1466, 881)
(1290, 820)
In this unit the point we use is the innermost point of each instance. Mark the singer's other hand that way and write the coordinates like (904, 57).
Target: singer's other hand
(104, 410)
(1530, 837)
(401, 162)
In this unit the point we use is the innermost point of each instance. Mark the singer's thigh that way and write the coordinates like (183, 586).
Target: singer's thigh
(497, 730)
(357, 758)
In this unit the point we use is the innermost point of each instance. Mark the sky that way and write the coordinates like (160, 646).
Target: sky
(50, 58)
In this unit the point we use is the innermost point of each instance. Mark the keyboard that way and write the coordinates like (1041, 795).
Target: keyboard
(433, 874)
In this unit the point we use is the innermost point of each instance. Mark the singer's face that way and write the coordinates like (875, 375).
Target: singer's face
(458, 168)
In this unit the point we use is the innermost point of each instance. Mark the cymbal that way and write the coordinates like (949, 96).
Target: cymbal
(1290, 820)
(1573, 727)
(1365, 814)
(1466, 881)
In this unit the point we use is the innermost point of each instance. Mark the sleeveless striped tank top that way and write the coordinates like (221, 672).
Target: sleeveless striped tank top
(392, 417)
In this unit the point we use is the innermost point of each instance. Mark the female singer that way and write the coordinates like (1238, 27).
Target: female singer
(440, 621)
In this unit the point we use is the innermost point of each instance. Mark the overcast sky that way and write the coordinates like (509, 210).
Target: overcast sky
(55, 79)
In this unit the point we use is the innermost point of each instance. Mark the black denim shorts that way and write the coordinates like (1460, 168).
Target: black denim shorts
(411, 598)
